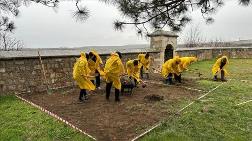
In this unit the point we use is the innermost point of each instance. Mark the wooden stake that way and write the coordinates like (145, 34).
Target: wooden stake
(43, 72)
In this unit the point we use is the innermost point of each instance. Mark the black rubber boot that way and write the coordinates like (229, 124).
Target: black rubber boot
(117, 91)
(81, 100)
(108, 89)
(215, 78)
(170, 80)
(179, 78)
(97, 79)
(223, 76)
(85, 97)
(81, 95)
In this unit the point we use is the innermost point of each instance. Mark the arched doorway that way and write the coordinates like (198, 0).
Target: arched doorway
(168, 54)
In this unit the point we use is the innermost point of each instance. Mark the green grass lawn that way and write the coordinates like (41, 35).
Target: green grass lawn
(21, 122)
(215, 117)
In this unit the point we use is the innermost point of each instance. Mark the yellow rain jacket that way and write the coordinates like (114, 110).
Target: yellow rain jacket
(170, 66)
(113, 69)
(144, 62)
(133, 71)
(80, 73)
(95, 65)
(216, 66)
(185, 62)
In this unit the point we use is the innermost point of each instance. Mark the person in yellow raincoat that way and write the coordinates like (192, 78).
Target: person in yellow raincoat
(133, 70)
(144, 60)
(81, 74)
(113, 70)
(220, 66)
(94, 62)
(169, 68)
(185, 62)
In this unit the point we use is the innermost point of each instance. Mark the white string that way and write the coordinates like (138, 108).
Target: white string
(244, 102)
(157, 125)
(55, 116)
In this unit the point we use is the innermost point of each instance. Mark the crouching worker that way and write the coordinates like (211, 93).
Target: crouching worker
(94, 63)
(144, 60)
(113, 70)
(220, 66)
(170, 68)
(81, 74)
(184, 64)
(133, 70)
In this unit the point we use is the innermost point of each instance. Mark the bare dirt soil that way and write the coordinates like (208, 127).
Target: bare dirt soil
(116, 121)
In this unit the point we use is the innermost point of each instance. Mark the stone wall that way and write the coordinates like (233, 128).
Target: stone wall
(215, 52)
(25, 74)
(22, 74)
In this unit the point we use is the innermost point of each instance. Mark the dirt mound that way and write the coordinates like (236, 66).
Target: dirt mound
(154, 97)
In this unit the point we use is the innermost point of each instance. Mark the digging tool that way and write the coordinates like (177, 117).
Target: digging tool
(89, 76)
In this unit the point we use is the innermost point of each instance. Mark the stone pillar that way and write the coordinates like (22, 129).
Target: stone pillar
(161, 39)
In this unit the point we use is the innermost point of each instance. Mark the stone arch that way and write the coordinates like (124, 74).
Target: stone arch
(168, 52)
(163, 40)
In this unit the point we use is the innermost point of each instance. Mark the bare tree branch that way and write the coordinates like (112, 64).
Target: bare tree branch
(8, 43)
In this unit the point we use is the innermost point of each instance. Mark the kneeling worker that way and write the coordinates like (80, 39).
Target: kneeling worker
(113, 70)
(184, 64)
(220, 66)
(144, 60)
(169, 68)
(133, 70)
(81, 74)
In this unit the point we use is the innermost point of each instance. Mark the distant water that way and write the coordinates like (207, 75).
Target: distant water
(74, 51)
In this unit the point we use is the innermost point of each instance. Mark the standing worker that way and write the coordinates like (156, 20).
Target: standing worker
(220, 66)
(144, 60)
(94, 63)
(113, 70)
(81, 74)
(133, 70)
(169, 68)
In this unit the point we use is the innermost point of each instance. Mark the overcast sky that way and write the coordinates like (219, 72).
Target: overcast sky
(41, 27)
